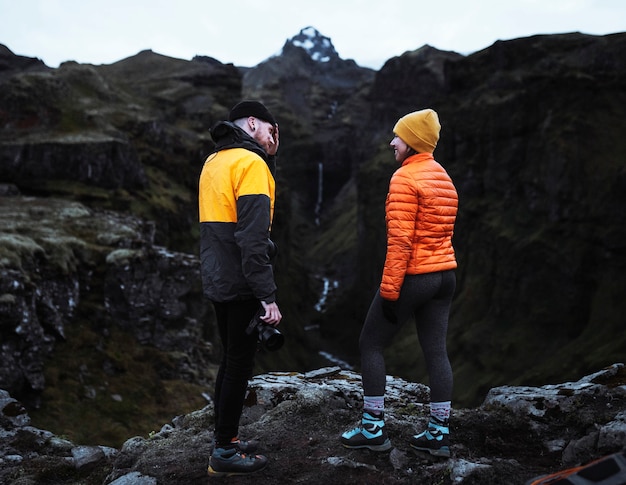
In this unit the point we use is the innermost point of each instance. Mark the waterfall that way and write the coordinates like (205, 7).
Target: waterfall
(320, 187)
(328, 285)
(336, 360)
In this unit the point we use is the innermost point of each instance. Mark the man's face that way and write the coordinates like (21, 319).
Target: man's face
(266, 135)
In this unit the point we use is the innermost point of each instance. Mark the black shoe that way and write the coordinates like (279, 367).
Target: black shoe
(249, 446)
(435, 440)
(225, 462)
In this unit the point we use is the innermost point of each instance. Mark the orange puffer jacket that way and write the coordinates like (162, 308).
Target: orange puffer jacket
(420, 212)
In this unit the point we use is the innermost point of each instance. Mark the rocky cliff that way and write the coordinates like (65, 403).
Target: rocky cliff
(517, 433)
(101, 316)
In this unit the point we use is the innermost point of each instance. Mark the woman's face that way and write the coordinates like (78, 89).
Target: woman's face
(400, 149)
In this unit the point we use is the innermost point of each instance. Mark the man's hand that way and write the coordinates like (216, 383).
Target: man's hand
(273, 148)
(272, 314)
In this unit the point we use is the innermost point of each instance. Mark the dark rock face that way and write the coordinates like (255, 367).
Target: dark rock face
(51, 277)
(420, 78)
(106, 163)
(155, 295)
(32, 319)
(515, 435)
(536, 174)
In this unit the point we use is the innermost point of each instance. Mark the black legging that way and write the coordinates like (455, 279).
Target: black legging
(239, 350)
(428, 298)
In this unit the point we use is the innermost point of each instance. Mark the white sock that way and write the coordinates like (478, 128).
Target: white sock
(440, 410)
(375, 404)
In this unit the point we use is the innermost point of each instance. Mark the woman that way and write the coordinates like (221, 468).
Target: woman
(418, 280)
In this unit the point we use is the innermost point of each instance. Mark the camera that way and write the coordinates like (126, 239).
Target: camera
(268, 335)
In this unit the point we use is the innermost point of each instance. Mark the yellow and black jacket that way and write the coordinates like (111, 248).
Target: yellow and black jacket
(236, 208)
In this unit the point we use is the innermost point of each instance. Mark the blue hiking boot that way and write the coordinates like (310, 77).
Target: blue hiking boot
(371, 434)
(225, 462)
(435, 440)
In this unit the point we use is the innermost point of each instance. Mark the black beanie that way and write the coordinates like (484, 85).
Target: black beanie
(251, 108)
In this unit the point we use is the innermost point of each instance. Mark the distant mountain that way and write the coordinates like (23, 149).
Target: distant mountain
(306, 83)
(319, 47)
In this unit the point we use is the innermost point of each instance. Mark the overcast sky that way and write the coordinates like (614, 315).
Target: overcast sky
(246, 32)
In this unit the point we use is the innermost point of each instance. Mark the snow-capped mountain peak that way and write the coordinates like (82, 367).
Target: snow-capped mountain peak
(319, 47)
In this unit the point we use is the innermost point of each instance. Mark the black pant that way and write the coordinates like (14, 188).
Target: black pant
(426, 297)
(237, 364)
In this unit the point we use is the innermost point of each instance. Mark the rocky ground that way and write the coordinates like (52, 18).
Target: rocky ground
(516, 434)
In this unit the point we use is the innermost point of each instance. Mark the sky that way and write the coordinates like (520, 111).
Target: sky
(247, 32)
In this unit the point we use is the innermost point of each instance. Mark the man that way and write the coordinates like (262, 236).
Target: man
(236, 208)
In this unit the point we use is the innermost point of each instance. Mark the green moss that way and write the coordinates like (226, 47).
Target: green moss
(72, 190)
(16, 250)
(104, 390)
(64, 252)
(165, 193)
(122, 256)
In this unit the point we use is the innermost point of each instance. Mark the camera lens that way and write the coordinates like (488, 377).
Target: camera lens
(271, 338)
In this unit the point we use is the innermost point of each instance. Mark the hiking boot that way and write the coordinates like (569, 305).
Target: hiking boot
(371, 434)
(246, 446)
(225, 462)
(435, 440)
(249, 446)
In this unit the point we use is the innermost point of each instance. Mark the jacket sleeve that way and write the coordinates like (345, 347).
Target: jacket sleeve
(400, 213)
(255, 195)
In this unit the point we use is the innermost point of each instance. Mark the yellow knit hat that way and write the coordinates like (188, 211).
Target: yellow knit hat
(419, 130)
